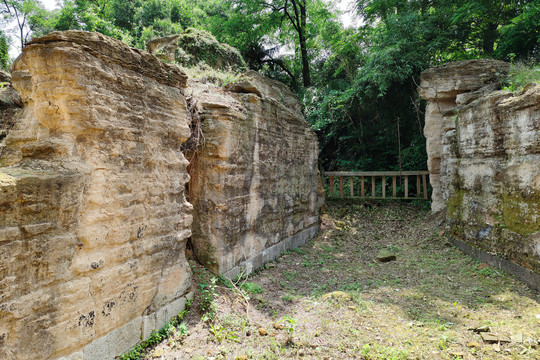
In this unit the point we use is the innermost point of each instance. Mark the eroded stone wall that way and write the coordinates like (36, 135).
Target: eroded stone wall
(485, 148)
(93, 218)
(93, 214)
(256, 189)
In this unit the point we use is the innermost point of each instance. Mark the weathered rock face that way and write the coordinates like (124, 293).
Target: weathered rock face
(255, 188)
(488, 148)
(10, 105)
(93, 218)
(445, 87)
(194, 47)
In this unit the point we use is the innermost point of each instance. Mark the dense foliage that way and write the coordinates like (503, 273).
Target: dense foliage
(358, 84)
(4, 52)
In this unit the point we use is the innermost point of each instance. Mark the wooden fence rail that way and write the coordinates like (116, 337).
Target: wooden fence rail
(371, 176)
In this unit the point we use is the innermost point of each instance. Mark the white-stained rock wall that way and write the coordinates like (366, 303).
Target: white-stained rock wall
(487, 151)
(256, 188)
(93, 218)
(445, 88)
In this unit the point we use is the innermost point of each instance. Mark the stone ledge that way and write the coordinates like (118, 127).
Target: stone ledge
(111, 50)
(273, 252)
(527, 276)
(124, 338)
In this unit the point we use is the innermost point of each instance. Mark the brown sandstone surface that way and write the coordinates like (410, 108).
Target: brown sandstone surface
(94, 220)
(10, 105)
(445, 87)
(93, 214)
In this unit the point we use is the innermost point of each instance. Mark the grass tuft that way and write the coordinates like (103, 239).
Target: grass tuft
(522, 74)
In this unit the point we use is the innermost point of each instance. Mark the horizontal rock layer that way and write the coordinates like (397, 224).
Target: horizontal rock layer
(488, 151)
(93, 219)
(255, 188)
(445, 87)
(93, 215)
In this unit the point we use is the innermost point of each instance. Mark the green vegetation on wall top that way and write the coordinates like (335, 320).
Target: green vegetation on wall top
(196, 46)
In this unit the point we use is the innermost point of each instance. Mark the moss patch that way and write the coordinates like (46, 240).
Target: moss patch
(520, 213)
(421, 306)
(454, 206)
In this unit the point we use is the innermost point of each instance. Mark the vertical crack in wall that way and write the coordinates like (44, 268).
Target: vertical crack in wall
(194, 144)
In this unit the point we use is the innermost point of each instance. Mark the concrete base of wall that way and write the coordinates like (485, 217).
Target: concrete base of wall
(527, 276)
(120, 340)
(273, 252)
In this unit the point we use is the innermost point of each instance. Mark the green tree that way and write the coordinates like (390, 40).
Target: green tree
(27, 15)
(4, 52)
(521, 36)
(89, 15)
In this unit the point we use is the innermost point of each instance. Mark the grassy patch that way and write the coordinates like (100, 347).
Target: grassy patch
(174, 331)
(420, 306)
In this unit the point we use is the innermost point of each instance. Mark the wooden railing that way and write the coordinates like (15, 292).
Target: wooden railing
(371, 178)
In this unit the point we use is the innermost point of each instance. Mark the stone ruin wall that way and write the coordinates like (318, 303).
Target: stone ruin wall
(484, 161)
(93, 215)
(256, 188)
(94, 218)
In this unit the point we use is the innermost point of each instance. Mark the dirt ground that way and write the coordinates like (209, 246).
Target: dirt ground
(332, 299)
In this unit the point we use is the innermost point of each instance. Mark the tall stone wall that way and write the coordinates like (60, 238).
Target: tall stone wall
(93, 218)
(93, 214)
(486, 147)
(256, 187)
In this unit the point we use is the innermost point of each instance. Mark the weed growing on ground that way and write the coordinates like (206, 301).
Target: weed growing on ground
(378, 352)
(289, 324)
(221, 334)
(420, 306)
(207, 294)
(252, 288)
(175, 328)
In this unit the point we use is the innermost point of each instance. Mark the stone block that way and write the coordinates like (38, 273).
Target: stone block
(489, 162)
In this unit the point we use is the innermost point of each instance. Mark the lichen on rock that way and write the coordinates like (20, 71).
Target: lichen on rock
(255, 185)
(483, 150)
(94, 219)
(195, 47)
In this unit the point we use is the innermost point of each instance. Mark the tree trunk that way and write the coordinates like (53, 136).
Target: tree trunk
(305, 62)
(488, 39)
(303, 46)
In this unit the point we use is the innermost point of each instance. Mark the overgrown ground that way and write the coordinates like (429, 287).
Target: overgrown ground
(423, 305)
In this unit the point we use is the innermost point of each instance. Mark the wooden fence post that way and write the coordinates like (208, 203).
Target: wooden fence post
(406, 186)
(425, 186)
(421, 183)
